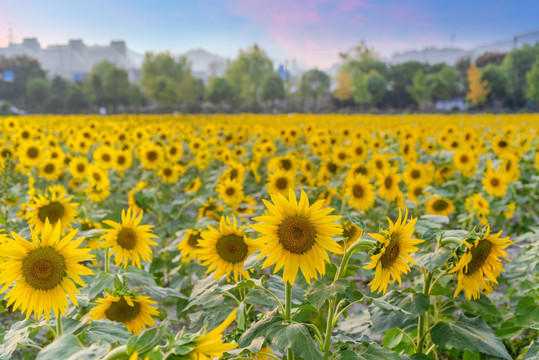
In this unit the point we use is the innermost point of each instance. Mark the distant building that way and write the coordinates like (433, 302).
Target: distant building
(455, 104)
(75, 60)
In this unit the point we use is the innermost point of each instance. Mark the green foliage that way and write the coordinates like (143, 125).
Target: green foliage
(360, 90)
(517, 64)
(498, 82)
(247, 72)
(37, 91)
(272, 88)
(220, 90)
(376, 86)
(314, 84)
(469, 334)
(421, 89)
(532, 78)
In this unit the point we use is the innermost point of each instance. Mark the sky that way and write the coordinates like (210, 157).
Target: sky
(311, 31)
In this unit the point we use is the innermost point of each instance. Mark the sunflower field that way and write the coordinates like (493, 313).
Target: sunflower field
(269, 237)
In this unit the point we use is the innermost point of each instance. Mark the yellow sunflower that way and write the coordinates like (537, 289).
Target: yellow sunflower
(210, 209)
(351, 232)
(392, 256)
(189, 245)
(134, 311)
(129, 240)
(297, 236)
(50, 169)
(226, 249)
(78, 167)
(481, 265)
(54, 209)
(440, 206)
(230, 191)
(30, 153)
(193, 186)
(388, 184)
(44, 270)
(151, 155)
(280, 181)
(494, 181)
(210, 345)
(359, 191)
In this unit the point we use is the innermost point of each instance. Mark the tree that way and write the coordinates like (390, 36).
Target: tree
(532, 78)
(247, 72)
(421, 89)
(376, 85)
(272, 88)
(24, 69)
(498, 82)
(477, 89)
(168, 79)
(490, 58)
(445, 82)
(344, 87)
(93, 91)
(136, 95)
(116, 86)
(360, 90)
(220, 90)
(517, 64)
(37, 92)
(76, 100)
(401, 77)
(314, 83)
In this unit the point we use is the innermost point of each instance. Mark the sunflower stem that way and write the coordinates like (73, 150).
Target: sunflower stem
(59, 329)
(107, 260)
(329, 329)
(421, 322)
(289, 354)
(288, 305)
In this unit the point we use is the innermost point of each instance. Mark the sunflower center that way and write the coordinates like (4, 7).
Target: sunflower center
(151, 155)
(127, 238)
(286, 164)
(121, 311)
(359, 150)
(440, 205)
(480, 253)
(494, 182)
(297, 234)
(332, 167)
(233, 174)
(502, 144)
(464, 159)
(32, 152)
(418, 191)
(106, 157)
(44, 268)
(281, 183)
(392, 252)
(342, 156)
(167, 172)
(388, 182)
(361, 170)
(120, 160)
(232, 248)
(349, 232)
(49, 168)
(230, 191)
(415, 174)
(379, 164)
(54, 211)
(80, 167)
(193, 238)
(358, 191)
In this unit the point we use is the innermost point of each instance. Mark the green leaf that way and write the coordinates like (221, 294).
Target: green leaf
(468, 355)
(107, 332)
(252, 261)
(533, 352)
(405, 307)
(260, 328)
(137, 277)
(61, 348)
(100, 282)
(147, 340)
(19, 332)
(469, 334)
(527, 311)
(432, 260)
(373, 352)
(297, 338)
(318, 292)
(357, 222)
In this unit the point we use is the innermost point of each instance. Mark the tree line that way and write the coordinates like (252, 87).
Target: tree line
(363, 82)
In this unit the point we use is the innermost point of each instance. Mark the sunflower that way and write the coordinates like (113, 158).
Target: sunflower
(443, 173)
(393, 252)
(53, 209)
(230, 191)
(134, 311)
(50, 169)
(30, 153)
(247, 206)
(508, 213)
(193, 185)
(351, 232)
(481, 265)
(466, 161)
(189, 245)
(494, 182)
(297, 236)
(440, 206)
(359, 191)
(417, 173)
(78, 167)
(210, 345)
(151, 155)
(129, 240)
(279, 181)
(210, 209)
(86, 225)
(44, 270)
(226, 249)
(122, 160)
(170, 173)
(388, 184)
(133, 199)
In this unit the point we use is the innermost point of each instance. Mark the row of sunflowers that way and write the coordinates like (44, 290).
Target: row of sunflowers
(269, 237)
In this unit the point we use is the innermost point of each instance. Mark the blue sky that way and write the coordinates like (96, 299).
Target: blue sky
(312, 31)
